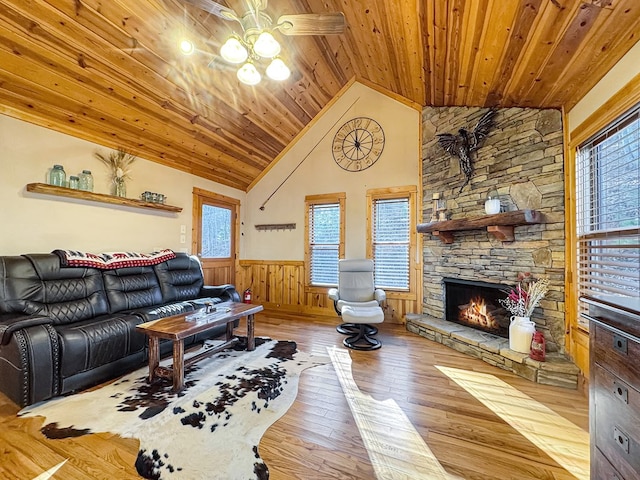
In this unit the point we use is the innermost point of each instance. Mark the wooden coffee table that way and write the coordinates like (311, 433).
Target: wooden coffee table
(177, 327)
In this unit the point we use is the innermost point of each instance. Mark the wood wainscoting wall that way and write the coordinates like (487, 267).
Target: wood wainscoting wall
(279, 285)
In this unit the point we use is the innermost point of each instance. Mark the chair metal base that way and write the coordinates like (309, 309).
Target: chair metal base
(354, 328)
(361, 339)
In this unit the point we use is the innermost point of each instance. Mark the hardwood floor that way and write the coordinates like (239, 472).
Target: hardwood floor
(411, 410)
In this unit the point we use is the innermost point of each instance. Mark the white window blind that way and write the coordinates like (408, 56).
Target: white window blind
(324, 243)
(608, 210)
(390, 236)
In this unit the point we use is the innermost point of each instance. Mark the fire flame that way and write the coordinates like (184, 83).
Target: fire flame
(476, 313)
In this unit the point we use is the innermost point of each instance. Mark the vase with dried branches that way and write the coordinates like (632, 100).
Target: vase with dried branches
(119, 164)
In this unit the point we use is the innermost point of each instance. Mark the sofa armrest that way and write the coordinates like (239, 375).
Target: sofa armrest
(30, 359)
(10, 323)
(223, 292)
(333, 294)
(379, 295)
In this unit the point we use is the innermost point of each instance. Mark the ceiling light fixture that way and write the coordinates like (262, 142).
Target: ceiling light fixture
(187, 47)
(278, 70)
(248, 74)
(257, 45)
(266, 46)
(248, 51)
(233, 51)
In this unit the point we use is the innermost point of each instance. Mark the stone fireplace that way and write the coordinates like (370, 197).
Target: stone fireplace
(521, 159)
(476, 305)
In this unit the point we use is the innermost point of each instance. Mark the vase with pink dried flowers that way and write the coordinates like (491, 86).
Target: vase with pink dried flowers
(520, 302)
(526, 295)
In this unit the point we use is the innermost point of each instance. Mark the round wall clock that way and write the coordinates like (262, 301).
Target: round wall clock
(358, 144)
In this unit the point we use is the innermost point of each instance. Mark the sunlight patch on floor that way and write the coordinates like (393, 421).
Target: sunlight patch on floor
(396, 449)
(560, 439)
(49, 473)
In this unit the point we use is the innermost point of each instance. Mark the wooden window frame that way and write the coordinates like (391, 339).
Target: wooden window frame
(200, 196)
(411, 192)
(338, 198)
(598, 249)
(608, 112)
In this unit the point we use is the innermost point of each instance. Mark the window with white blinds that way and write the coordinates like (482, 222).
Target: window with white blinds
(608, 210)
(391, 242)
(325, 238)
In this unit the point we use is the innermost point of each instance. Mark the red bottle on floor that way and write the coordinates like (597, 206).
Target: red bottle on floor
(537, 347)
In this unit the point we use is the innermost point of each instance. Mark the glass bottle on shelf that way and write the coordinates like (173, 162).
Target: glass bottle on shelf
(119, 187)
(74, 182)
(58, 176)
(86, 181)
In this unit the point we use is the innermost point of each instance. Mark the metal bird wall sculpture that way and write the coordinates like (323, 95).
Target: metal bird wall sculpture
(466, 142)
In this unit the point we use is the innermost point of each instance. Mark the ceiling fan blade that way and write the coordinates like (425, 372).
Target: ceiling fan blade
(312, 24)
(219, 63)
(215, 8)
(259, 4)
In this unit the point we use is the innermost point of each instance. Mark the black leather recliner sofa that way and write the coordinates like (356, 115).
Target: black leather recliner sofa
(67, 328)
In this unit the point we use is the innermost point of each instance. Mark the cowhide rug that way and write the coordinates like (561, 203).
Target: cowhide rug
(210, 430)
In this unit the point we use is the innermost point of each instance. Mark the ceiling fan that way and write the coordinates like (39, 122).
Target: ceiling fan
(257, 42)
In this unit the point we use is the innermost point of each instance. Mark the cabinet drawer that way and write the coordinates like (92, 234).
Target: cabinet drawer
(601, 469)
(617, 353)
(617, 422)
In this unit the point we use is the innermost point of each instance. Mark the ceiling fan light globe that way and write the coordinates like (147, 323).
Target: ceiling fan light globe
(248, 74)
(278, 70)
(266, 46)
(187, 47)
(233, 51)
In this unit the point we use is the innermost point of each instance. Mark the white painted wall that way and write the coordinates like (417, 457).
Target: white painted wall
(39, 223)
(621, 74)
(399, 165)
(31, 223)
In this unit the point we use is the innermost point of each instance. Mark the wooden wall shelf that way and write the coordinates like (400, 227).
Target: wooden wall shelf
(98, 197)
(500, 225)
(276, 226)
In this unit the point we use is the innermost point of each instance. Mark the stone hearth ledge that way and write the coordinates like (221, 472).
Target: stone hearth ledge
(557, 370)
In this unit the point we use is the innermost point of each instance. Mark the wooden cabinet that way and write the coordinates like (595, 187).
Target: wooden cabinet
(614, 390)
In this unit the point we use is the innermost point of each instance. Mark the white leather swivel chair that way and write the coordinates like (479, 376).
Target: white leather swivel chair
(358, 302)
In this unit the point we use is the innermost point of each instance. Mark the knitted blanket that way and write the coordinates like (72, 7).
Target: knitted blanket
(110, 260)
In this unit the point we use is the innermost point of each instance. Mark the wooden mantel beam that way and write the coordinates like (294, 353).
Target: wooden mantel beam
(501, 225)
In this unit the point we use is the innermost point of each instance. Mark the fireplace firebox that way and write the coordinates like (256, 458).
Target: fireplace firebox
(475, 304)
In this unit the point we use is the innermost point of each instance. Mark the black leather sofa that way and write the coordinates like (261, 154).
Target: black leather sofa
(66, 328)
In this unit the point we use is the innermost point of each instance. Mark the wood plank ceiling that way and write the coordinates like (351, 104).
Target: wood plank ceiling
(109, 71)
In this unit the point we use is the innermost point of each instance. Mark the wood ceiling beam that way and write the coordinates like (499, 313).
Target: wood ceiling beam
(142, 17)
(170, 100)
(102, 101)
(553, 20)
(576, 32)
(20, 104)
(114, 66)
(497, 23)
(468, 59)
(597, 53)
(455, 36)
(77, 117)
(520, 31)
(403, 25)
